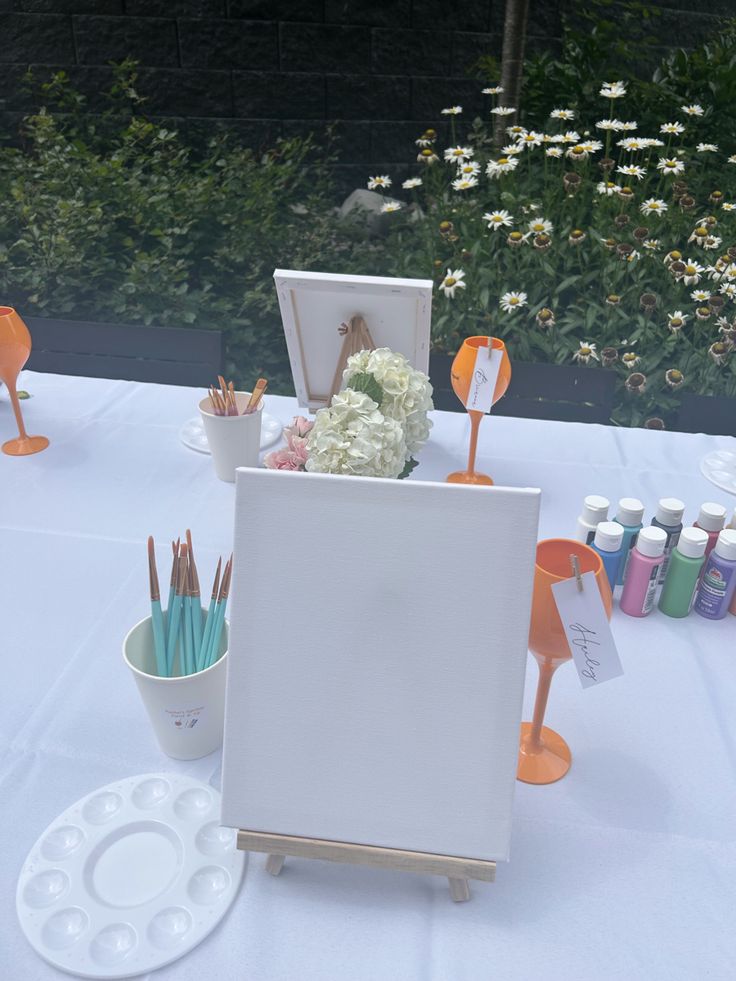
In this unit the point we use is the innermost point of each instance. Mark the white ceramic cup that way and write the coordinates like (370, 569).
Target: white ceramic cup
(234, 441)
(187, 713)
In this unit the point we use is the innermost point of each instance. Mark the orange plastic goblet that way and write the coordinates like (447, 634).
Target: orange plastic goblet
(15, 348)
(544, 756)
(461, 375)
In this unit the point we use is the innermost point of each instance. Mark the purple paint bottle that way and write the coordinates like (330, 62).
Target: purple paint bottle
(719, 579)
(642, 573)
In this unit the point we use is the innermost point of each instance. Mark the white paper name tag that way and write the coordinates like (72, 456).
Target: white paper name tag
(587, 630)
(483, 382)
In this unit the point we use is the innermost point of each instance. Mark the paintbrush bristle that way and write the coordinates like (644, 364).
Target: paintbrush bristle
(152, 573)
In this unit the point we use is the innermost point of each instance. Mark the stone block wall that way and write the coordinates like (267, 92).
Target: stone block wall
(380, 70)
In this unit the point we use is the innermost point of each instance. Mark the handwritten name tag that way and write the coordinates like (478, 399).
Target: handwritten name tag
(483, 382)
(587, 630)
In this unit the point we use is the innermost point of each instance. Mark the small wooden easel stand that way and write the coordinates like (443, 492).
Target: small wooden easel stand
(357, 338)
(457, 870)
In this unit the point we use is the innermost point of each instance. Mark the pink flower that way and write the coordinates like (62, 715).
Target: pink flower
(284, 459)
(294, 455)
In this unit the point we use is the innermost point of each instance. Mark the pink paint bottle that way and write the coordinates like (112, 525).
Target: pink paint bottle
(712, 519)
(640, 585)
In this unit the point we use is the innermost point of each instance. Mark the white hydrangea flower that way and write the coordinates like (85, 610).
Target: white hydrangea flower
(352, 436)
(407, 393)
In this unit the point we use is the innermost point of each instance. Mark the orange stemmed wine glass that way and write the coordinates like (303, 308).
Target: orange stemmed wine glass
(461, 376)
(544, 756)
(15, 348)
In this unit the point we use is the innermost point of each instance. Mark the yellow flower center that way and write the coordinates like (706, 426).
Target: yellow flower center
(450, 281)
(427, 152)
(690, 270)
(626, 191)
(515, 236)
(701, 231)
(671, 163)
(675, 256)
(585, 351)
(676, 321)
(578, 150)
(503, 161)
(513, 300)
(675, 375)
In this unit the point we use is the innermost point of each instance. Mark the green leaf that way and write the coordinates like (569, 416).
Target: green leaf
(365, 382)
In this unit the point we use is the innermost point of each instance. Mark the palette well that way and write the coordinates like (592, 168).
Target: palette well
(129, 878)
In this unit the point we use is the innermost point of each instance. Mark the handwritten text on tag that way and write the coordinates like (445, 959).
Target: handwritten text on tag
(587, 630)
(483, 382)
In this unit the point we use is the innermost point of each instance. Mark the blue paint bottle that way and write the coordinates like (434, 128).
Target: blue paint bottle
(629, 515)
(608, 543)
(718, 584)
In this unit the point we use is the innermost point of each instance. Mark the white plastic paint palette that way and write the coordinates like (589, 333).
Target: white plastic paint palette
(130, 878)
(720, 469)
(192, 433)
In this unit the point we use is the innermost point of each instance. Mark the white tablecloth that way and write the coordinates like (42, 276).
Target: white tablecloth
(625, 869)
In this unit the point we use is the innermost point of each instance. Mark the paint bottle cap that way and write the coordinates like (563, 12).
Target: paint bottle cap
(608, 536)
(651, 541)
(595, 509)
(630, 511)
(692, 543)
(733, 520)
(670, 511)
(726, 545)
(712, 517)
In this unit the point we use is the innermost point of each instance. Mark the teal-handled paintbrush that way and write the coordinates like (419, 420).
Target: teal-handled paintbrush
(210, 619)
(157, 617)
(175, 613)
(186, 622)
(214, 644)
(172, 580)
(196, 605)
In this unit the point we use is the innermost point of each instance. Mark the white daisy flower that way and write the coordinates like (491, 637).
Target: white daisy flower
(577, 152)
(498, 219)
(424, 141)
(707, 147)
(692, 272)
(458, 153)
(670, 165)
(592, 146)
(608, 188)
(554, 151)
(676, 321)
(675, 128)
(712, 242)
(727, 206)
(613, 90)
(566, 114)
(700, 296)
(388, 206)
(728, 289)
(585, 352)
(465, 183)
(652, 141)
(653, 206)
(504, 165)
(412, 182)
(452, 111)
(633, 256)
(453, 281)
(632, 170)
(650, 243)
(503, 111)
(512, 301)
(693, 110)
(495, 90)
(631, 143)
(629, 125)
(379, 181)
(609, 124)
(571, 136)
(515, 131)
(469, 169)
(732, 158)
(540, 226)
(531, 139)
(512, 149)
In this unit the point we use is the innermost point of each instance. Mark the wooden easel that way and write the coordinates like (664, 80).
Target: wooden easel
(357, 338)
(457, 870)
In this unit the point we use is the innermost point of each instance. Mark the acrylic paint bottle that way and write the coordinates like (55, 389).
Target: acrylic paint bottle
(645, 561)
(669, 519)
(629, 515)
(608, 543)
(719, 579)
(712, 519)
(686, 563)
(595, 510)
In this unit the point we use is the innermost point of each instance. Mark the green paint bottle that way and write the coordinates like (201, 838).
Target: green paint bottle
(686, 561)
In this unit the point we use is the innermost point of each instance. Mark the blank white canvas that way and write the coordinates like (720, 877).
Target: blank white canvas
(313, 305)
(377, 657)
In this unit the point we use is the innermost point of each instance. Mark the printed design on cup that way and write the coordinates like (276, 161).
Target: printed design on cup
(184, 718)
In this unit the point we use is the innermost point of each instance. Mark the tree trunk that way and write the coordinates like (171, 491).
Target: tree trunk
(512, 64)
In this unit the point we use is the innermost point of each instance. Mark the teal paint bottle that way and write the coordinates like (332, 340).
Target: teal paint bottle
(630, 516)
(669, 518)
(683, 574)
(608, 543)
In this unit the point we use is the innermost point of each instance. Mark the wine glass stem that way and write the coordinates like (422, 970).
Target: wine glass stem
(546, 670)
(16, 409)
(475, 418)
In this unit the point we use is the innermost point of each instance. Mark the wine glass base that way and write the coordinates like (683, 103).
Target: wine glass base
(466, 477)
(25, 446)
(549, 764)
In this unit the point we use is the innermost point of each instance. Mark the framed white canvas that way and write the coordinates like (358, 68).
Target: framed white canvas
(313, 305)
(376, 698)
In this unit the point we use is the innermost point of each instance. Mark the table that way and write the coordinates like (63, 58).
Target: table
(625, 869)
